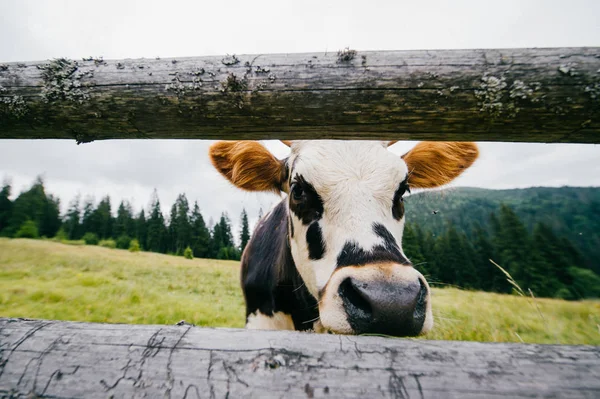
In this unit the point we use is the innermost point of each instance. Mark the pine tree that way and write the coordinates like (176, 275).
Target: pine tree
(156, 230)
(555, 265)
(184, 226)
(572, 253)
(216, 241)
(88, 220)
(5, 206)
(490, 277)
(124, 223)
(50, 221)
(412, 248)
(445, 258)
(430, 254)
(104, 219)
(225, 223)
(513, 244)
(200, 234)
(180, 228)
(245, 233)
(72, 223)
(141, 229)
(466, 272)
(35, 205)
(222, 240)
(172, 229)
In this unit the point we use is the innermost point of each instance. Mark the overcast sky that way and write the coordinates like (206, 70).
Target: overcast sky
(39, 30)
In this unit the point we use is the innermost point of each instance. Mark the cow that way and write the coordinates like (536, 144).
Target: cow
(328, 257)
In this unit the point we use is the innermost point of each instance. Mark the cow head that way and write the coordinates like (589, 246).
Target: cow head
(346, 218)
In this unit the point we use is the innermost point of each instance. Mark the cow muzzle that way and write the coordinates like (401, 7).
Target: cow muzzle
(388, 299)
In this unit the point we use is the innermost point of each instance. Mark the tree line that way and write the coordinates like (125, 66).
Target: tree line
(36, 214)
(572, 212)
(541, 261)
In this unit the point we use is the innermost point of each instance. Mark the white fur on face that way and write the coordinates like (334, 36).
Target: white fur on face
(356, 181)
(279, 321)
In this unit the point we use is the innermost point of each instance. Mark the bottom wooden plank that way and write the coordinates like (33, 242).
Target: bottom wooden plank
(55, 359)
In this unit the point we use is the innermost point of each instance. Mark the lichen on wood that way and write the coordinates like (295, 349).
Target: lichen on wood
(98, 61)
(12, 106)
(62, 81)
(490, 93)
(235, 89)
(347, 55)
(567, 70)
(180, 88)
(593, 90)
(260, 69)
(230, 60)
(496, 95)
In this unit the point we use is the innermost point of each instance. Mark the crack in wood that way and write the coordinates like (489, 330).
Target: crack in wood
(19, 342)
(170, 375)
(170, 361)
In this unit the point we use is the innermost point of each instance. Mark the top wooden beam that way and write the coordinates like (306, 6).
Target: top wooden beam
(530, 95)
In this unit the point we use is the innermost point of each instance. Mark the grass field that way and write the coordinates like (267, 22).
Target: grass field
(44, 279)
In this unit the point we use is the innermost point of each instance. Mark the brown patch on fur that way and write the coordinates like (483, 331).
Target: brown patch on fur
(287, 142)
(433, 164)
(248, 165)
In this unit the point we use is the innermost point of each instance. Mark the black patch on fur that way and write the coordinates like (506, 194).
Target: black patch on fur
(390, 243)
(291, 227)
(398, 204)
(308, 207)
(314, 239)
(353, 255)
(270, 280)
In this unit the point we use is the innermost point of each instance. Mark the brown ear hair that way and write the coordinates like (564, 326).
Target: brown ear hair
(433, 164)
(248, 165)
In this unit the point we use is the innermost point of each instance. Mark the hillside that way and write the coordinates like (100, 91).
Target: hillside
(571, 212)
(44, 279)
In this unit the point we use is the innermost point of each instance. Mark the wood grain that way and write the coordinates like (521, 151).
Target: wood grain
(81, 360)
(530, 95)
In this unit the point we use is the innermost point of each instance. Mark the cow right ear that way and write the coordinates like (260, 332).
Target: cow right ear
(248, 165)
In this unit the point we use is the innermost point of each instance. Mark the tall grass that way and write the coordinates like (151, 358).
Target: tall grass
(44, 279)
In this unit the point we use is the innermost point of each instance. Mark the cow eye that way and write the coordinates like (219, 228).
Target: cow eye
(297, 192)
(305, 202)
(398, 204)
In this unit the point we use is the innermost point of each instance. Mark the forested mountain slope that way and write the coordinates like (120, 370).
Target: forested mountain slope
(570, 212)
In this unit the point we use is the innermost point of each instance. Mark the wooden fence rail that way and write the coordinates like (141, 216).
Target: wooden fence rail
(82, 360)
(534, 95)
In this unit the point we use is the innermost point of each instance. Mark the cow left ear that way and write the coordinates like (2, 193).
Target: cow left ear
(433, 164)
(248, 165)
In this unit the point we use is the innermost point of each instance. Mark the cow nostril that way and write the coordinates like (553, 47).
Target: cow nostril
(356, 305)
(421, 308)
